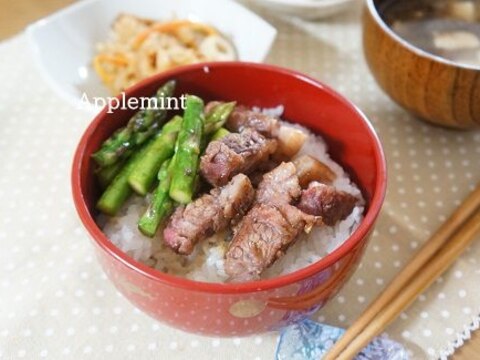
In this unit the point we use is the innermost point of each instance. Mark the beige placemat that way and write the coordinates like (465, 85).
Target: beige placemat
(55, 301)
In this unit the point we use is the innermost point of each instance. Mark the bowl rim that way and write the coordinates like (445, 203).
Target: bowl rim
(372, 8)
(229, 288)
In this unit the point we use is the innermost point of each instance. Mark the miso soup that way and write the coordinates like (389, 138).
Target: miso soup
(446, 28)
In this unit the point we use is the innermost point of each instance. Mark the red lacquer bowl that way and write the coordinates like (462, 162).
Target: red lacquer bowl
(254, 307)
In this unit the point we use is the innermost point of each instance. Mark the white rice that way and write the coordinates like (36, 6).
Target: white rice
(206, 262)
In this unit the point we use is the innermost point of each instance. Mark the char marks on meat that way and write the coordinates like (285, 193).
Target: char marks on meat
(326, 201)
(262, 237)
(208, 214)
(243, 118)
(233, 154)
(279, 186)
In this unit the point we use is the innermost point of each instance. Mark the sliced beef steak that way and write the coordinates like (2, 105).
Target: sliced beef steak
(243, 118)
(208, 214)
(262, 237)
(279, 186)
(290, 139)
(270, 227)
(235, 153)
(326, 201)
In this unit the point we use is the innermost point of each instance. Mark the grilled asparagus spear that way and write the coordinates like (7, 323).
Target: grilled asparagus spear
(187, 151)
(119, 190)
(162, 148)
(140, 127)
(161, 205)
(220, 133)
(217, 117)
(107, 174)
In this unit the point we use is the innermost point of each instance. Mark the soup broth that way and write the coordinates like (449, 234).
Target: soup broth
(446, 28)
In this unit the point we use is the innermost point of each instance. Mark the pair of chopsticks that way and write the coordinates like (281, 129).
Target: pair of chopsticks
(434, 258)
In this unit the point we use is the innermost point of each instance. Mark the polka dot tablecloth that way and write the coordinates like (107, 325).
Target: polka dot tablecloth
(56, 302)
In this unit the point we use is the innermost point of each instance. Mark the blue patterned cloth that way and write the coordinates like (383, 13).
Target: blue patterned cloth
(309, 340)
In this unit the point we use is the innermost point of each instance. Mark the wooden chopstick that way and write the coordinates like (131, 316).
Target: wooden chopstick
(433, 245)
(434, 268)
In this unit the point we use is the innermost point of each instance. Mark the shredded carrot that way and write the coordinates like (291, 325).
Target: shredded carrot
(116, 59)
(172, 27)
(97, 65)
(99, 60)
(205, 28)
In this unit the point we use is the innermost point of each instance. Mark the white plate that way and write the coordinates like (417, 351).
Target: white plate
(307, 9)
(64, 43)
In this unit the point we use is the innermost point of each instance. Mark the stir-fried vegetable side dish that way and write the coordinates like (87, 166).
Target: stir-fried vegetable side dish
(220, 166)
(139, 48)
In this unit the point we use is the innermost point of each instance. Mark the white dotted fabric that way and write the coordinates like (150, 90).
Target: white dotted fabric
(55, 301)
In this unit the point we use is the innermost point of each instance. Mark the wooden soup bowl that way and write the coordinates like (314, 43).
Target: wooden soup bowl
(433, 88)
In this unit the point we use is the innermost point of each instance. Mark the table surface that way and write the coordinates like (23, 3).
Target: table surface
(16, 15)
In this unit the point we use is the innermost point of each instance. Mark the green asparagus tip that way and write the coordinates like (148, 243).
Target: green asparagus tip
(217, 117)
(219, 134)
(169, 87)
(102, 159)
(106, 174)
